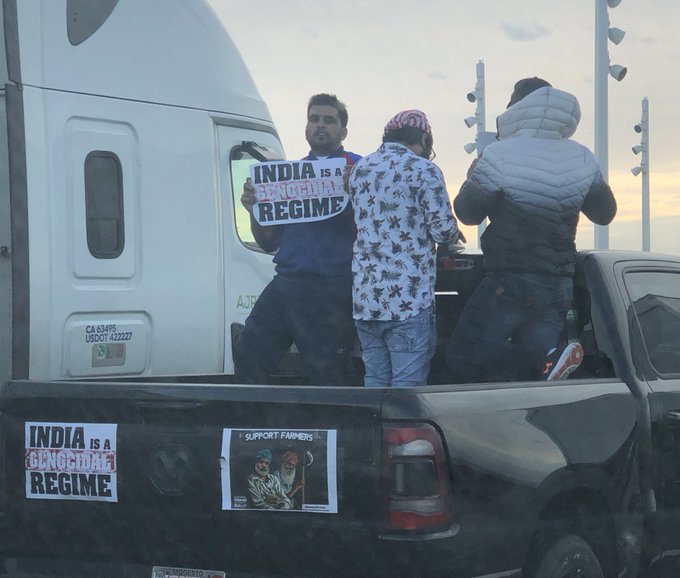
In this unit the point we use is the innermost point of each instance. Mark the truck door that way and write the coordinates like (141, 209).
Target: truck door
(653, 312)
(247, 268)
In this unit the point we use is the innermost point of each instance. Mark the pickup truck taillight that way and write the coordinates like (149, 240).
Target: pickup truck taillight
(416, 486)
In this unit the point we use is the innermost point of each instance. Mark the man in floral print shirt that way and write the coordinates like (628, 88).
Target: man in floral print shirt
(401, 209)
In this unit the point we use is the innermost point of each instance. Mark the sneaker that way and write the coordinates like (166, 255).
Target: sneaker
(560, 363)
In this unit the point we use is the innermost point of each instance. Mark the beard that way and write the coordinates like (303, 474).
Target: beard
(287, 477)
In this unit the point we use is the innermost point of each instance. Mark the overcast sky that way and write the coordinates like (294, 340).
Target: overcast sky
(382, 56)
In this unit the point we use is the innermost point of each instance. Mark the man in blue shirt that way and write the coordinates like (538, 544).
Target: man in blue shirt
(309, 300)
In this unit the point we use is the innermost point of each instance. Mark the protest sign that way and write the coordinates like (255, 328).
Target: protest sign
(283, 470)
(71, 461)
(298, 191)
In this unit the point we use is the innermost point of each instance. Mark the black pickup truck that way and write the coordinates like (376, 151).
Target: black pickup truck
(158, 478)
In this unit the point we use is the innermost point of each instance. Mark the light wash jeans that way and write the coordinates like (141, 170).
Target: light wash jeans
(398, 353)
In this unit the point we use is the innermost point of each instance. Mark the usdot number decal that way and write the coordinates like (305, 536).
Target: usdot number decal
(104, 333)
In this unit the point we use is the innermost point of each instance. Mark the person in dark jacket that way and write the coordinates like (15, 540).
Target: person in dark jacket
(309, 300)
(532, 184)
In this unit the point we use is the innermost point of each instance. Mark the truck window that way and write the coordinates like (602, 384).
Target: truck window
(655, 297)
(241, 157)
(84, 18)
(104, 205)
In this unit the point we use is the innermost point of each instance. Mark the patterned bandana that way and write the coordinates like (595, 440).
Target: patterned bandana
(411, 117)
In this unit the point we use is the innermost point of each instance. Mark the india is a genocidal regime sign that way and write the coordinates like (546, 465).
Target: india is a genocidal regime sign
(71, 461)
(298, 191)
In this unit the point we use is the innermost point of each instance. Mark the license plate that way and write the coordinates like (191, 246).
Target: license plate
(170, 572)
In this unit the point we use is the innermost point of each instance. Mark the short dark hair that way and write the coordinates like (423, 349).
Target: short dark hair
(526, 86)
(406, 134)
(324, 99)
(410, 135)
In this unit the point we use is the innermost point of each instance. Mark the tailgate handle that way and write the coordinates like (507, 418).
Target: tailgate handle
(674, 416)
(168, 404)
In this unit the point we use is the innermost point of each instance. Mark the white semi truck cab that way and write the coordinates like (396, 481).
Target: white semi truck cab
(124, 250)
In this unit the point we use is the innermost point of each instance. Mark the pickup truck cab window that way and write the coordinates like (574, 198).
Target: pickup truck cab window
(655, 296)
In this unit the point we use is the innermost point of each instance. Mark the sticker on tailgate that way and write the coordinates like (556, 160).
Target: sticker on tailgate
(286, 470)
(71, 461)
(169, 572)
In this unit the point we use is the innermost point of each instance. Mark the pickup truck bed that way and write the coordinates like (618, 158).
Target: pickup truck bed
(507, 446)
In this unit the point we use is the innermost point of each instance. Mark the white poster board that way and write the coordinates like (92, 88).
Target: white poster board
(484, 139)
(71, 461)
(298, 191)
(310, 485)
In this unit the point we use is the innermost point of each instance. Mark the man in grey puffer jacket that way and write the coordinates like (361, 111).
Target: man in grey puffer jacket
(531, 184)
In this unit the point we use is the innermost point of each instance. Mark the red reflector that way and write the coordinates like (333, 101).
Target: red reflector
(413, 521)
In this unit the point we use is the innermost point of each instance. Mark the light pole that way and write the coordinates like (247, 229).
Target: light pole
(643, 168)
(478, 120)
(602, 70)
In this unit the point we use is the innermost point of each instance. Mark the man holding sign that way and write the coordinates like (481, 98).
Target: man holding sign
(300, 209)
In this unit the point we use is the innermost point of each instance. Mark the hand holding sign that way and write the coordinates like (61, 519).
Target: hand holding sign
(248, 198)
(347, 171)
(296, 191)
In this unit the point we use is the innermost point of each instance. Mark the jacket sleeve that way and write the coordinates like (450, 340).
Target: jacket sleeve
(599, 205)
(480, 193)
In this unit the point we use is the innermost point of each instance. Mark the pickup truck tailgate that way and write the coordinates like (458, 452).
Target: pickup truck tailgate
(159, 474)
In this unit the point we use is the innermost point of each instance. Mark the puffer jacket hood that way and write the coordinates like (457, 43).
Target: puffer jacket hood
(545, 113)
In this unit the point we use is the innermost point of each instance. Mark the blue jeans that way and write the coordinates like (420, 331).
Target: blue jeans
(398, 353)
(508, 326)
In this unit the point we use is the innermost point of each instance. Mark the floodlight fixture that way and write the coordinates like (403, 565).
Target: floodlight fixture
(616, 35)
(637, 149)
(636, 171)
(618, 72)
(638, 128)
(470, 147)
(613, 3)
(470, 121)
(472, 96)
